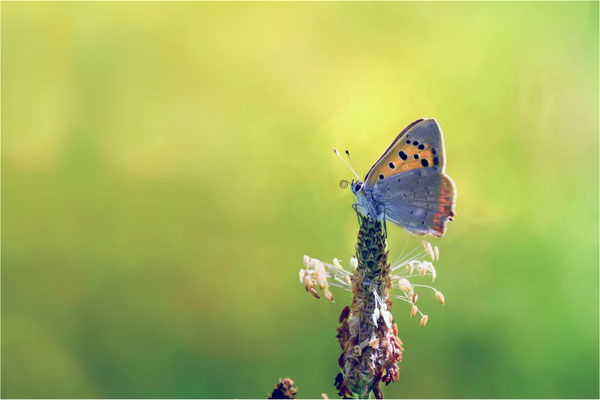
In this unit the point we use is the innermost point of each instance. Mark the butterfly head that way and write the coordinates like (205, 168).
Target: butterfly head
(356, 186)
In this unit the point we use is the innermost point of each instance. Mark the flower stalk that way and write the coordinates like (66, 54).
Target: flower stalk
(368, 335)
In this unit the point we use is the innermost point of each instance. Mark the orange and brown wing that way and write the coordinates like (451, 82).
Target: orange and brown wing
(420, 145)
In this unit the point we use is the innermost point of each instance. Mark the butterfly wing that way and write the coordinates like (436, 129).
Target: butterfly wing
(420, 200)
(409, 183)
(387, 151)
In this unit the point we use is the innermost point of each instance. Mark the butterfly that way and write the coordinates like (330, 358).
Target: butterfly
(407, 184)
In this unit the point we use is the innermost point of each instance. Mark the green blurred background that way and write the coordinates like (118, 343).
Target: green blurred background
(166, 166)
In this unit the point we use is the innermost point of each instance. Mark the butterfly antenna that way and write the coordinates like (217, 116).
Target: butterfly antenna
(349, 158)
(345, 162)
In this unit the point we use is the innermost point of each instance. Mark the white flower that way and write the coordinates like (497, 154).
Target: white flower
(375, 316)
(381, 309)
(388, 318)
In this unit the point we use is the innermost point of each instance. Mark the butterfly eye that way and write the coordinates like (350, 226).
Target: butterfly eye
(357, 187)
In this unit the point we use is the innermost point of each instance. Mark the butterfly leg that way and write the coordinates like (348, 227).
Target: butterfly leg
(355, 207)
(384, 224)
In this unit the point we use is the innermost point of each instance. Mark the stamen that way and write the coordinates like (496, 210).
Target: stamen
(409, 258)
(440, 297)
(404, 285)
(413, 311)
(425, 286)
(428, 249)
(406, 256)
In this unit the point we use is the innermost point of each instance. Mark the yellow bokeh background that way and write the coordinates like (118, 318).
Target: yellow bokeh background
(165, 166)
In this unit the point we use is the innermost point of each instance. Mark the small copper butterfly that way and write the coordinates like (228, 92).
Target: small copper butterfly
(407, 185)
